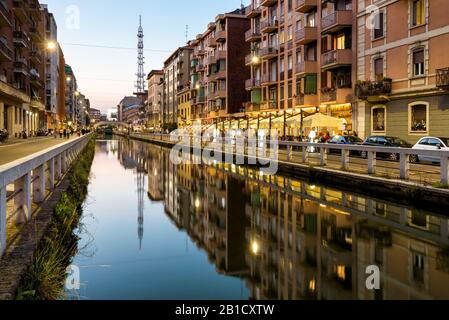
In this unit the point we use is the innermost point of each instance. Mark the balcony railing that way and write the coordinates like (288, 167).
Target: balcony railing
(269, 25)
(252, 11)
(442, 80)
(252, 35)
(306, 35)
(269, 78)
(306, 67)
(304, 6)
(5, 15)
(373, 89)
(336, 21)
(220, 36)
(336, 58)
(268, 52)
(20, 66)
(5, 52)
(252, 83)
(21, 38)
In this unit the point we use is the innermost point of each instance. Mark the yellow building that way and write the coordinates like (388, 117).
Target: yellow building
(184, 108)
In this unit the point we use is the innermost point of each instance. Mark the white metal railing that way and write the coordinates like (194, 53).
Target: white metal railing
(29, 180)
(303, 152)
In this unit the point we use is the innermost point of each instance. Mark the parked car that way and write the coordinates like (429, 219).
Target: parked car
(350, 140)
(430, 143)
(385, 141)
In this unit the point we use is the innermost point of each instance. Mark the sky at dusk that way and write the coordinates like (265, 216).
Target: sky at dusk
(105, 75)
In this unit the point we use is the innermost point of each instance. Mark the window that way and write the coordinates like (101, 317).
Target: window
(290, 33)
(418, 267)
(379, 69)
(418, 114)
(418, 62)
(282, 65)
(378, 119)
(310, 84)
(379, 25)
(290, 62)
(339, 42)
(417, 12)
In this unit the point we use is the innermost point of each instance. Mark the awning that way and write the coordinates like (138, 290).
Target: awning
(320, 120)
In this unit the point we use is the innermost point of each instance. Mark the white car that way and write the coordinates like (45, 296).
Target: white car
(431, 143)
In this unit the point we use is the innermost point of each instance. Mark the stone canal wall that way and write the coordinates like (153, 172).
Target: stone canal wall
(395, 190)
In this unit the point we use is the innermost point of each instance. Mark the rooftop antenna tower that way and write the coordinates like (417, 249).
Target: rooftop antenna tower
(187, 33)
(140, 85)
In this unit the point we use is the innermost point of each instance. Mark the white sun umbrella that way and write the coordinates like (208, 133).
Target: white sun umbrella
(320, 120)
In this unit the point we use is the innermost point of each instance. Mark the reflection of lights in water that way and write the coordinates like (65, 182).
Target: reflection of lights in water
(255, 248)
(155, 172)
(223, 202)
(197, 203)
(341, 272)
(323, 206)
(170, 184)
(312, 285)
(313, 187)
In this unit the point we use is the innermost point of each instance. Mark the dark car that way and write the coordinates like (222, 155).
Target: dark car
(351, 140)
(385, 141)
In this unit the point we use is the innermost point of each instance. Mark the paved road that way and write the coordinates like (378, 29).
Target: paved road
(9, 153)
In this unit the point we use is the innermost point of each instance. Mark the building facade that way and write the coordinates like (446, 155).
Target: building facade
(184, 108)
(176, 79)
(71, 93)
(51, 68)
(218, 70)
(302, 58)
(155, 91)
(403, 75)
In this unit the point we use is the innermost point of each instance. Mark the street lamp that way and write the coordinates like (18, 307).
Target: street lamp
(51, 45)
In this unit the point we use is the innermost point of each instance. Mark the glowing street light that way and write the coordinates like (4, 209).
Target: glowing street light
(255, 248)
(68, 79)
(51, 45)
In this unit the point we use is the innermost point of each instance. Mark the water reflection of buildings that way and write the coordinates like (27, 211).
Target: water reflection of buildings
(293, 240)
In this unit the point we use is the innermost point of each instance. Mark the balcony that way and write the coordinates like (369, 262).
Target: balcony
(251, 107)
(306, 100)
(269, 105)
(269, 25)
(269, 79)
(253, 11)
(220, 75)
(306, 35)
(5, 52)
(269, 3)
(34, 8)
(211, 60)
(442, 79)
(220, 94)
(306, 67)
(269, 52)
(212, 43)
(253, 36)
(336, 95)
(200, 68)
(305, 6)
(5, 15)
(35, 81)
(370, 90)
(35, 34)
(221, 55)
(20, 39)
(35, 56)
(19, 9)
(199, 52)
(336, 21)
(252, 83)
(220, 36)
(21, 67)
(336, 58)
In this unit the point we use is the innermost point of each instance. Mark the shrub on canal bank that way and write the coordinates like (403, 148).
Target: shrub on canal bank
(45, 278)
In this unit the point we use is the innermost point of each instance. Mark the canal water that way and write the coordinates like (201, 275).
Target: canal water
(153, 230)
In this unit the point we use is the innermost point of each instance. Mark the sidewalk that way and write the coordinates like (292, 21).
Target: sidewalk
(19, 148)
(17, 141)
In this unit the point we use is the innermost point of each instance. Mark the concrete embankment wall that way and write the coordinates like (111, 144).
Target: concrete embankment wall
(396, 191)
(20, 254)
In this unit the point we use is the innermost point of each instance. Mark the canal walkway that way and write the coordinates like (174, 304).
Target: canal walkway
(400, 180)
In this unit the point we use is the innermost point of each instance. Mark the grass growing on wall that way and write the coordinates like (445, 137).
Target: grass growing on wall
(45, 278)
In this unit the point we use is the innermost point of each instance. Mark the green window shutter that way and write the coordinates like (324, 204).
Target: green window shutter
(310, 84)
